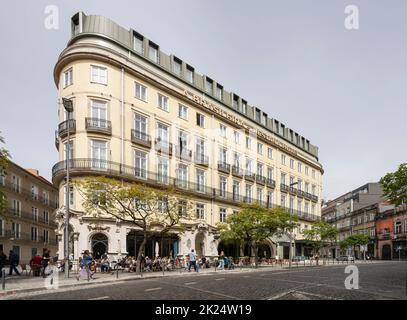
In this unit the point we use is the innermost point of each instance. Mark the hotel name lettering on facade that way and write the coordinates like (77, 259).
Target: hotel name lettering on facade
(208, 105)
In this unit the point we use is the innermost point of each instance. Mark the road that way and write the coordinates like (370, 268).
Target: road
(382, 280)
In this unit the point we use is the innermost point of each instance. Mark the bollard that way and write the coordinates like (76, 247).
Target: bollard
(117, 273)
(3, 279)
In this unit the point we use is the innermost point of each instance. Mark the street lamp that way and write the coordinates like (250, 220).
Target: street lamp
(68, 105)
(292, 242)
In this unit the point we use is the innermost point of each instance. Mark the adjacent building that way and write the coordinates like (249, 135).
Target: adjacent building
(28, 227)
(144, 116)
(355, 212)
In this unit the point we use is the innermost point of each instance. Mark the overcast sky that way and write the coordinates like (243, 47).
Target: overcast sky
(343, 90)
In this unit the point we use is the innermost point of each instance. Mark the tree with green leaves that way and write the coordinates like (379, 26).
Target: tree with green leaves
(4, 162)
(353, 241)
(320, 236)
(255, 224)
(394, 185)
(148, 209)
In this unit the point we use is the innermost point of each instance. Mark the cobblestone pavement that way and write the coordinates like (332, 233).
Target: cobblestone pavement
(385, 280)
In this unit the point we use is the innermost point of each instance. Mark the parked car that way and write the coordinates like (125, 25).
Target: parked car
(345, 258)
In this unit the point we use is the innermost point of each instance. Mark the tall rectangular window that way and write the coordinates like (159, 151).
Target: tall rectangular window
(248, 193)
(283, 159)
(34, 234)
(163, 102)
(153, 52)
(291, 163)
(223, 155)
(200, 180)
(45, 217)
(200, 147)
(200, 120)
(270, 173)
(140, 127)
(140, 165)
(16, 184)
(34, 192)
(200, 211)
(260, 169)
(222, 130)
(140, 91)
(270, 153)
(208, 85)
(236, 136)
(248, 143)
(244, 107)
(259, 148)
(249, 166)
(177, 66)
(236, 160)
(98, 74)
(269, 199)
(162, 170)
(98, 110)
(68, 77)
(189, 74)
(45, 197)
(138, 44)
(306, 170)
(71, 196)
(219, 92)
(260, 195)
(16, 208)
(222, 186)
(282, 178)
(46, 236)
(222, 215)
(16, 230)
(183, 112)
(299, 167)
(162, 134)
(99, 154)
(282, 201)
(182, 175)
(236, 190)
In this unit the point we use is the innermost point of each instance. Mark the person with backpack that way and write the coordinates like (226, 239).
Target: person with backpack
(85, 264)
(14, 261)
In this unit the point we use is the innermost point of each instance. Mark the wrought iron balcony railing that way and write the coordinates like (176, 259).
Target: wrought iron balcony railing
(201, 159)
(237, 171)
(223, 167)
(270, 183)
(141, 138)
(66, 125)
(250, 176)
(163, 147)
(99, 125)
(183, 153)
(284, 187)
(260, 179)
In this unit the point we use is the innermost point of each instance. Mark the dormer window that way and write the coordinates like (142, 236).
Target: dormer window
(219, 92)
(153, 52)
(189, 74)
(138, 43)
(177, 66)
(208, 85)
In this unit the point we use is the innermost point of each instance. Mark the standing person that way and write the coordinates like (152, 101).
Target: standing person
(203, 259)
(221, 260)
(3, 259)
(14, 260)
(45, 260)
(85, 265)
(192, 260)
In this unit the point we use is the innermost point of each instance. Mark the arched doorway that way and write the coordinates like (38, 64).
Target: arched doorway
(99, 244)
(265, 251)
(200, 244)
(386, 252)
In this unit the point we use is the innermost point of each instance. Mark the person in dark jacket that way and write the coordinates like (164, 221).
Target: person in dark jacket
(14, 260)
(3, 259)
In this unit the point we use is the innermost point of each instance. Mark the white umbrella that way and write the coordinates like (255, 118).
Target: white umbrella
(157, 249)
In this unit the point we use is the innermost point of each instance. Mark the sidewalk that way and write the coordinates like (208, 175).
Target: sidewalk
(24, 284)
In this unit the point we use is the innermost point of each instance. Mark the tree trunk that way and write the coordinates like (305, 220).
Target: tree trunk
(254, 247)
(141, 251)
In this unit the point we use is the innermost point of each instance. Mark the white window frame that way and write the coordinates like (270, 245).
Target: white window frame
(140, 91)
(200, 211)
(68, 78)
(98, 77)
(163, 102)
(182, 111)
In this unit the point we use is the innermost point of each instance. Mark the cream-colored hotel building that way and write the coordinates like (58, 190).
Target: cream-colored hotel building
(144, 116)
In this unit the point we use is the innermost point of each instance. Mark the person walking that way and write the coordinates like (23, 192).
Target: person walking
(14, 261)
(45, 261)
(192, 260)
(85, 266)
(3, 259)
(221, 260)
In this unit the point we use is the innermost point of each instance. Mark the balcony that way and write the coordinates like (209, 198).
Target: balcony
(307, 195)
(300, 193)
(292, 191)
(183, 153)
(314, 198)
(140, 138)
(237, 172)
(201, 159)
(270, 183)
(163, 147)
(284, 187)
(260, 179)
(249, 176)
(223, 167)
(65, 126)
(96, 125)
